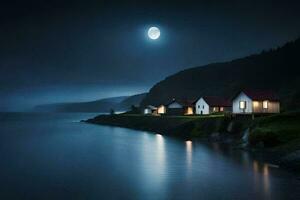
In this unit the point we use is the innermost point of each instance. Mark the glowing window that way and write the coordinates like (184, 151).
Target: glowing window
(161, 110)
(255, 104)
(221, 109)
(265, 104)
(190, 111)
(242, 104)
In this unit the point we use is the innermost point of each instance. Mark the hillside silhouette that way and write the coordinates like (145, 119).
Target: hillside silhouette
(276, 70)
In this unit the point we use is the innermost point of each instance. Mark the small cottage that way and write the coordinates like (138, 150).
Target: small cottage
(188, 107)
(150, 110)
(175, 108)
(181, 107)
(211, 104)
(251, 102)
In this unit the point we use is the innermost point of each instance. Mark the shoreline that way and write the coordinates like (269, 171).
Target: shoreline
(177, 126)
(220, 129)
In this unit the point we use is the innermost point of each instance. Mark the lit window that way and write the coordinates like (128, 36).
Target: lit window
(242, 104)
(161, 110)
(255, 104)
(265, 104)
(190, 111)
(221, 109)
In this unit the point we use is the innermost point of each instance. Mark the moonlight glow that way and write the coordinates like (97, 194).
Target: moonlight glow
(153, 33)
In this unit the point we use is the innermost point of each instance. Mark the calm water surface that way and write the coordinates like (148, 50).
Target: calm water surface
(54, 156)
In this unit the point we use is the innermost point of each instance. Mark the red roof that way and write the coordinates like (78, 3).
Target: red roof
(261, 95)
(217, 101)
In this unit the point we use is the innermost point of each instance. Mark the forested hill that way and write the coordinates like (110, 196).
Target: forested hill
(277, 70)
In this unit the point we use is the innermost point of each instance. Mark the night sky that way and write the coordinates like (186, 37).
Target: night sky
(57, 51)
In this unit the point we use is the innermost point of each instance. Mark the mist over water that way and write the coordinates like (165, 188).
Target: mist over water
(26, 98)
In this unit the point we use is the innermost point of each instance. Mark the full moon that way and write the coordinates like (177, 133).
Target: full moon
(153, 33)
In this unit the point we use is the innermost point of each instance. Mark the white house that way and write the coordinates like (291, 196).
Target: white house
(249, 102)
(210, 104)
(149, 110)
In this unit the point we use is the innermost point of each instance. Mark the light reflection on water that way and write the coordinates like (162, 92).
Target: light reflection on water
(266, 180)
(160, 154)
(262, 177)
(189, 154)
(50, 158)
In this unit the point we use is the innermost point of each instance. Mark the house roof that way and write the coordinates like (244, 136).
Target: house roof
(170, 102)
(261, 95)
(187, 102)
(217, 101)
(183, 103)
(151, 107)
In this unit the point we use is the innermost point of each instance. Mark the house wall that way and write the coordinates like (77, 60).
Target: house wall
(214, 109)
(175, 111)
(147, 111)
(253, 106)
(273, 107)
(257, 106)
(236, 104)
(202, 107)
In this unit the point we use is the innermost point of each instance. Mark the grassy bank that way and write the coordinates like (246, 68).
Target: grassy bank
(280, 135)
(270, 131)
(179, 126)
(278, 132)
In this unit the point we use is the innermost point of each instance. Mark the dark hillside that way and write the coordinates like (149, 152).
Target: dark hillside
(277, 70)
(132, 100)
